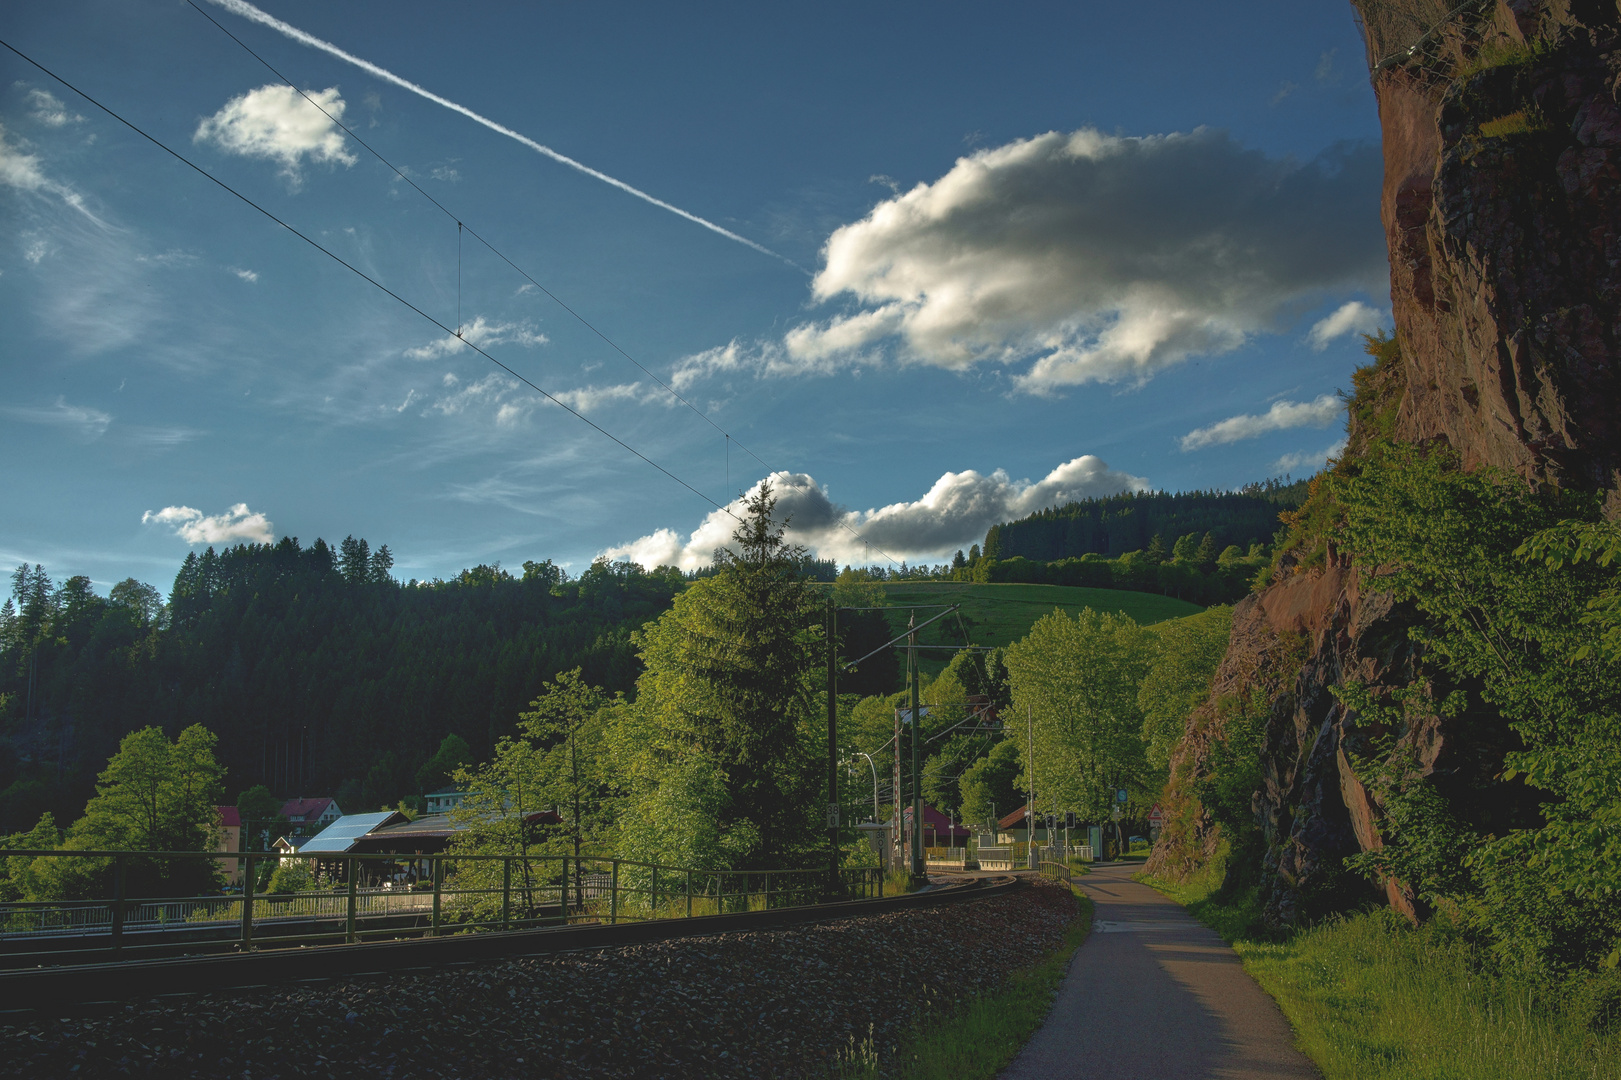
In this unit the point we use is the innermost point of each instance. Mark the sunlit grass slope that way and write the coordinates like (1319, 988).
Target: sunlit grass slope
(1002, 614)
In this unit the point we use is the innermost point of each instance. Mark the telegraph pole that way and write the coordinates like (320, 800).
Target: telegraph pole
(1030, 807)
(832, 746)
(917, 791)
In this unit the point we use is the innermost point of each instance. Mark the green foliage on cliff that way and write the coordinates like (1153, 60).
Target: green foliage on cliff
(1371, 411)
(1185, 654)
(1502, 576)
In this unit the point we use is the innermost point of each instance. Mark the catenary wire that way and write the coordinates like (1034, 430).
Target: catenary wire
(520, 270)
(460, 225)
(363, 275)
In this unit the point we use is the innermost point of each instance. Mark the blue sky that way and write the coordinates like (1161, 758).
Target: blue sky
(1012, 256)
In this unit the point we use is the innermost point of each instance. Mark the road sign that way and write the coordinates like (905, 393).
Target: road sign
(832, 815)
(1121, 796)
(1155, 816)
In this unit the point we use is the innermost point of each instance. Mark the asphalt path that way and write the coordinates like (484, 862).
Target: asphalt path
(1154, 995)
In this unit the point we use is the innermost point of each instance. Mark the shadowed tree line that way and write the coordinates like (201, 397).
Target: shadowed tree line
(319, 673)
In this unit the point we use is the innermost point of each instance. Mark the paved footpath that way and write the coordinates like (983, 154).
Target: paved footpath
(1154, 995)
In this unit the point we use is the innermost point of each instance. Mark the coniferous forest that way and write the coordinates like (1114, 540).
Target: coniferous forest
(319, 672)
(1116, 524)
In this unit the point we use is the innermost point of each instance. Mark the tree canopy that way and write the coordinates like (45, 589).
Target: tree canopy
(725, 712)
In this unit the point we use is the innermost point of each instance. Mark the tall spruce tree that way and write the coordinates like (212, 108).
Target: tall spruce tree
(721, 732)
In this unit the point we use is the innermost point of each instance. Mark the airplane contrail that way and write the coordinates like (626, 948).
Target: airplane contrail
(253, 14)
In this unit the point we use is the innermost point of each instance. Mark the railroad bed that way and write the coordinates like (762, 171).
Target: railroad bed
(782, 1001)
(71, 986)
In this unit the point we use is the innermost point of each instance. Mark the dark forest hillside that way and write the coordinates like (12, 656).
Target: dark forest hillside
(1116, 524)
(312, 665)
(320, 673)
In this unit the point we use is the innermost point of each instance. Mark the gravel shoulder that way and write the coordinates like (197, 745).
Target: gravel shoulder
(788, 1003)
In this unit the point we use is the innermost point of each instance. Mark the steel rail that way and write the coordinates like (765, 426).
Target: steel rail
(78, 987)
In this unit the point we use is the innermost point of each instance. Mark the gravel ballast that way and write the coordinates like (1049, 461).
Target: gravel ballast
(778, 1003)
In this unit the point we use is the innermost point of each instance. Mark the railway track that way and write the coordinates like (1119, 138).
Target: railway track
(71, 987)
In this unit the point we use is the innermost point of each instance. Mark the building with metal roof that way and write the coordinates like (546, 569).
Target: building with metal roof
(344, 833)
(429, 834)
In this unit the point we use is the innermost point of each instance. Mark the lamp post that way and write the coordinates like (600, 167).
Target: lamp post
(874, 768)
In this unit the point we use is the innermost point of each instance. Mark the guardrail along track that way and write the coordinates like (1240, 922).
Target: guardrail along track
(347, 898)
(73, 986)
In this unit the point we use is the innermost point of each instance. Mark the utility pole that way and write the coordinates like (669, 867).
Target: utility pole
(832, 747)
(1030, 807)
(917, 727)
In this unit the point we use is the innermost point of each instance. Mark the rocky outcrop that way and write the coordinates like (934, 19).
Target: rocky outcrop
(1502, 211)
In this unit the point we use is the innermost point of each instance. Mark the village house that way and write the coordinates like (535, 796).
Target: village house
(230, 841)
(306, 817)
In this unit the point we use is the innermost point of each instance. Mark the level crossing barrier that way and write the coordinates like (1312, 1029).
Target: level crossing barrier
(368, 897)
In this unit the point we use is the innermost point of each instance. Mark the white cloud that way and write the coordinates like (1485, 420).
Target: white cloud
(236, 524)
(954, 513)
(277, 123)
(1290, 463)
(166, 259)
(741, 358)
(1086, 257)
(162, 437)
(482, 333)
(490, 390)
(587, 398)
(36, 251)
(87, 423)
(250, 276)
(50, 111)
(1354, 317)
(22, 171)
(1280, 417)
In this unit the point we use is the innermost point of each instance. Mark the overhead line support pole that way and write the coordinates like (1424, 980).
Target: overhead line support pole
(832, 747)
(917, 730)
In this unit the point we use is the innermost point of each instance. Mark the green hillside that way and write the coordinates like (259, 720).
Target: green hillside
(1000, 614)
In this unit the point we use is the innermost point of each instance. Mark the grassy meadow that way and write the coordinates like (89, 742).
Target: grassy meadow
(1000, 614)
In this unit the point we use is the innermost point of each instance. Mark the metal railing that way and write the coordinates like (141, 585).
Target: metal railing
(1057, 871)
(363, 897)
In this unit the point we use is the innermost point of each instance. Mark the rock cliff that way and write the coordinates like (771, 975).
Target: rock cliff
(1501, 126)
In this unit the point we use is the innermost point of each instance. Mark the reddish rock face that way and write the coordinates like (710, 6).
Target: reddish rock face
(1502, 211)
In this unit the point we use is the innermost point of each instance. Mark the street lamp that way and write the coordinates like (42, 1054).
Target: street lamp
(874, 768)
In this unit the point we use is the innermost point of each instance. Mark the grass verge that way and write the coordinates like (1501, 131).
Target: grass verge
(1372, 998)
(976, 1040)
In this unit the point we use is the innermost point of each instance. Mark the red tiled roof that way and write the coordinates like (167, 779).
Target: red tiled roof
(1014, 820)
(229, 818)
(304, 809)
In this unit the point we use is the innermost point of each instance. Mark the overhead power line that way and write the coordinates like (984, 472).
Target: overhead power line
(362, 274)
(460, 225)
(248, 11)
